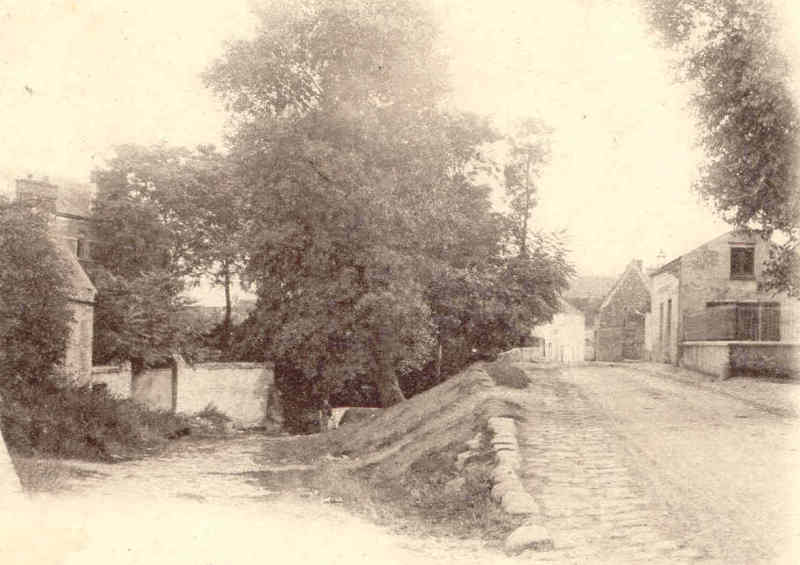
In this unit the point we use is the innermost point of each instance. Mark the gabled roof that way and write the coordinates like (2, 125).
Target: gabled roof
(80, 288)
(634, 266)
(675, 263)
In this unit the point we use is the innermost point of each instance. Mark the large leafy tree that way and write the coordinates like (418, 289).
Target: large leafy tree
(147, 252)
(168, 216)
(749, 118)
(371, 237)
(34, 309)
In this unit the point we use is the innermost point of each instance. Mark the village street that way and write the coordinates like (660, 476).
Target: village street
(631, 467)
(204, 504)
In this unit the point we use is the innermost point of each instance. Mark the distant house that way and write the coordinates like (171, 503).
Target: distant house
(707, 312)
(71, 231)
(619, 327)
(562, 339)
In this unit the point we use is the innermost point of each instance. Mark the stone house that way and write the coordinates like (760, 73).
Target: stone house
(71, 230)
(562, 339)
(708, 313)
(619, 328)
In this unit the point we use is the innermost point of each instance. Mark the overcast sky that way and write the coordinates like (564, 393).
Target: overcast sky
(79, 76)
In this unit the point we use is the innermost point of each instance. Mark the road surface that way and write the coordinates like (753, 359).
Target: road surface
(629, 467)
(203, 505)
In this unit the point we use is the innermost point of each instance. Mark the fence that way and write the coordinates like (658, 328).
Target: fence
(762, 321)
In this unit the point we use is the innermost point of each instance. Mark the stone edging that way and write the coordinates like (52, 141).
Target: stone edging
(509, 492)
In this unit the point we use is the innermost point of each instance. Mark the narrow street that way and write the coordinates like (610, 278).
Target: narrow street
(630, 467)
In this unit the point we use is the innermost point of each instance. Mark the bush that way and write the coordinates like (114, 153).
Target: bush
(506, 374)
(34, 310)
(78, 422)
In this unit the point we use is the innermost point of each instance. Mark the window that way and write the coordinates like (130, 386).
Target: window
(742, 263)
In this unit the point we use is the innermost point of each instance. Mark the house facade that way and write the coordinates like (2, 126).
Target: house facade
(562, 339)
(619, 328)
(71, 231)
(707, 312)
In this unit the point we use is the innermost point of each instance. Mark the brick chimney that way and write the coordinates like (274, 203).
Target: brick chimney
(38, 193)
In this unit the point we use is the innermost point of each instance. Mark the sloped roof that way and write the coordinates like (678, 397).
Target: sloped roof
(634, 266)
(80, 288)
(669, 265)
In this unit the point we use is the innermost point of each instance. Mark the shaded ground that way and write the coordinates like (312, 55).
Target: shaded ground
(630, 467)
(380, 492)
(205, 504)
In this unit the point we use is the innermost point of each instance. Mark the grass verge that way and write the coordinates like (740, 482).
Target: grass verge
(400, 468)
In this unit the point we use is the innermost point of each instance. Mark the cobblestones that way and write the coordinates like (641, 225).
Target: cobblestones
(590, 500)
(630, 468)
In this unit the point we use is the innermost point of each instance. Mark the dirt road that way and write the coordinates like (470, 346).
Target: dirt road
(629, 467)
(203, 505)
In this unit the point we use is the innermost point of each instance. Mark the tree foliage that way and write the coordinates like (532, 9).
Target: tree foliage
(749, 116)
(371, 239)
(34, 308)
(529, 148)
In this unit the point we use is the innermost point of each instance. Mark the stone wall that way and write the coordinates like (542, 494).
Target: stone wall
(240, 390)
(726, 358)
(709, 357)
(78, 354)
(155, 388)
(116, 378)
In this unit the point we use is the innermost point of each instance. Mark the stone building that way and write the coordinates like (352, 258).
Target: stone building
(69, 207)
(562, 339)
(707, 312)
(619, 327)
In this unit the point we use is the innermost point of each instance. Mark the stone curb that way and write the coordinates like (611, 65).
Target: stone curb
(508, 491)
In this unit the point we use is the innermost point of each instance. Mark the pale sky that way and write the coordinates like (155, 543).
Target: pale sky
(79, 76)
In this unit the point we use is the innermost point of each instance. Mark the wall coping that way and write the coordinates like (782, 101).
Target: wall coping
(218, 365)
(759, 343)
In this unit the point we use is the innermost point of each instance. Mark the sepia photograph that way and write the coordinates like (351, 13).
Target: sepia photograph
(399, 281)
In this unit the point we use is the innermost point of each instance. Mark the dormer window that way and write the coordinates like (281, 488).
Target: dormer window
(742, 263)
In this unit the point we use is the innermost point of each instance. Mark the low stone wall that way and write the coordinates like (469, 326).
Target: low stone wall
(723, 358)
(709, 357)
(117, 379)
(155, 388)
(767, 358)
(522, 355)
(239, 390)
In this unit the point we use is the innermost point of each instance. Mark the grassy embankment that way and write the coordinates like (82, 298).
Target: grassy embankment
(401, 467)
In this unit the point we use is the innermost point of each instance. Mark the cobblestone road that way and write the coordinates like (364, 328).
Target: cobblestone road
(631, 468)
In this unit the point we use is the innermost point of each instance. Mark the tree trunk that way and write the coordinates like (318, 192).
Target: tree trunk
(439, 363)
(389, 392)
(225, 339)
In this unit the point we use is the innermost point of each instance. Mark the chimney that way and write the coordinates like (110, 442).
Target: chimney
(40, 194)
(638, 264)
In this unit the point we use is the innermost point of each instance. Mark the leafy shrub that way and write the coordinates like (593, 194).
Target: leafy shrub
(506, 374)
(78, 422)
(34, 313)
(213, 415)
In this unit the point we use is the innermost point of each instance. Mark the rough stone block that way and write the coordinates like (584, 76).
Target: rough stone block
(528, 536)
(519, 502)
